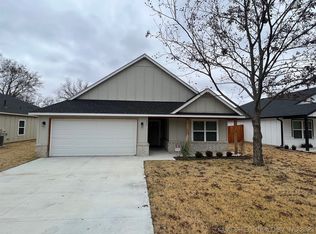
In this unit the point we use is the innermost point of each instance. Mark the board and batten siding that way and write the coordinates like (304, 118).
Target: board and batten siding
(177, 129)
(177, 135)
(270, 128)
(271, 132)
(9, 124)
(143, 81)
(289, 140)
(207, 104)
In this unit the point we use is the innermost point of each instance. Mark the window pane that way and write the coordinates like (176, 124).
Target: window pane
(21, 131)
(310, 124)
(210, 125)
(297, 124)
(198, 125)
(21, 124)
(211, 136)
(198, 136)
(297, 134)
(310, 134)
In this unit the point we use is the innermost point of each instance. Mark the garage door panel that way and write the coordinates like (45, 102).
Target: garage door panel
(93, 137)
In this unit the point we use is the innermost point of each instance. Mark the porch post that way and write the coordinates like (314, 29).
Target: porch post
(306, 133)
(235, 137)
(187, 132)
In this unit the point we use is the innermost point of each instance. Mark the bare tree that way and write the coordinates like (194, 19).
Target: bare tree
(70, 88)
(263, 47)
(16, 80)
(44, 101)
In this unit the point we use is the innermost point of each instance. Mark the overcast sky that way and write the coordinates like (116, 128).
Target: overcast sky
(85, 39)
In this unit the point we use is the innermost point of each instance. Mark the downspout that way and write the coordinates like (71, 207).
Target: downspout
(282, 136)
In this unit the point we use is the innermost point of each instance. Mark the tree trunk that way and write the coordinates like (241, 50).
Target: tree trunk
(257, 141)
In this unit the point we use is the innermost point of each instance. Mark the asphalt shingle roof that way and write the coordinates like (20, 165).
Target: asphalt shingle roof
(285, 106)
(111, 107)
(11, 104)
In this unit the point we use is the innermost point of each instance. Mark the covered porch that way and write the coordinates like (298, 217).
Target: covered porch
(202, 134)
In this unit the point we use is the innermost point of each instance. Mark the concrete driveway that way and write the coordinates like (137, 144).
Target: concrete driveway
(76, 195)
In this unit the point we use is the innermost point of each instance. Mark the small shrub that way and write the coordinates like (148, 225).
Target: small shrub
(286, 147)
(293, 147)
(185, 149)
(304, 146)
(198, 154)
(229, 154)
(209, 154)
(219, 154)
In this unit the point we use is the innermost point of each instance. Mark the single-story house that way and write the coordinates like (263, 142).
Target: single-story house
(138, 107)
(286, 120)
(15, 123)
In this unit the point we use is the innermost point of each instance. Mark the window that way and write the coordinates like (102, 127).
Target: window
(204, 131)
(298, 128)
(21, 127)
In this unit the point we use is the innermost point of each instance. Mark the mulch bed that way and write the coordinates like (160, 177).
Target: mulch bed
(211, 158)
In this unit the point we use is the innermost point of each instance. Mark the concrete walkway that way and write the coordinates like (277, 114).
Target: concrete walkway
(76, 195)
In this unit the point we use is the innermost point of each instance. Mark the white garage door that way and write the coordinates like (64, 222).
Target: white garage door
(93, 137)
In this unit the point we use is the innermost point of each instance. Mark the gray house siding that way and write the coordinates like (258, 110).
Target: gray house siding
(143, 81)
(177, 136)
(9, 124)
(207, 104)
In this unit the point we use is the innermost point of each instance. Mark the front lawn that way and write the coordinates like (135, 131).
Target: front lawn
(14, 154)
(233, 196)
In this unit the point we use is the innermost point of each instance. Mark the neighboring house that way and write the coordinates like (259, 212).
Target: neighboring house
(283, 121)
(137, 107)
(15, 122)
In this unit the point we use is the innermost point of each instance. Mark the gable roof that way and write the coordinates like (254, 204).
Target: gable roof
(286, 106)
(143, 56)
(12, 105)
(205, 91)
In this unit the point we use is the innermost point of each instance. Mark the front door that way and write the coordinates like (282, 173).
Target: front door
(154, 132)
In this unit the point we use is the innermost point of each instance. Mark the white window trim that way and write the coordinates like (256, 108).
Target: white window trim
(303, 128)
(204, 120)
(21, 127)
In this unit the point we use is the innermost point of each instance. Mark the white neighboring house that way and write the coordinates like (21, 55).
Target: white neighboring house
(283, 121)
(15, 123)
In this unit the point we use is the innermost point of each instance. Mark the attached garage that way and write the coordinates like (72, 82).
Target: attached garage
(93, 137)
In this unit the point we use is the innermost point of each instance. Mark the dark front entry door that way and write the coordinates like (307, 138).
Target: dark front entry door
(154, 133)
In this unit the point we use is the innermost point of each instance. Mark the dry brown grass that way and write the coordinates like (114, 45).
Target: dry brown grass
(233, 196)
(14, 154)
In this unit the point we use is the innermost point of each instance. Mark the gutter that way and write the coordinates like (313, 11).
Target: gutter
(137, 115)
(282, 134)
(16, 114)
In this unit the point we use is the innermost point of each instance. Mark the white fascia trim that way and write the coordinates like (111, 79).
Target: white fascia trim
(130, 64)
(214, 95)
(15, 114)
(139, 115)
(312, 114)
